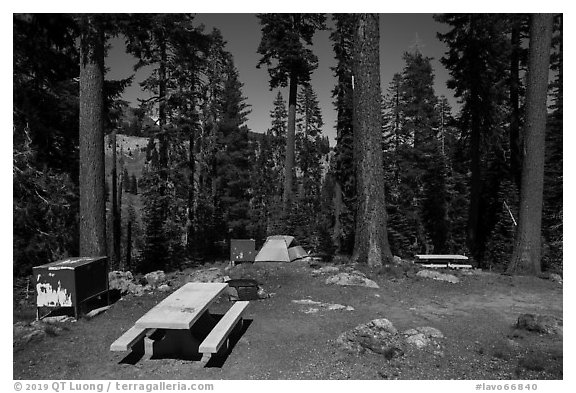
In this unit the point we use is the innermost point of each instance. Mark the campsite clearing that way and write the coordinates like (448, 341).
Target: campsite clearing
(476, 317)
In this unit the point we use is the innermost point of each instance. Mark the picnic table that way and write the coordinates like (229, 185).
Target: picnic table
(443, 260)
(182, 326)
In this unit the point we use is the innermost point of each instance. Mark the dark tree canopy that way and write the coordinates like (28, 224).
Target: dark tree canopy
(284, 50)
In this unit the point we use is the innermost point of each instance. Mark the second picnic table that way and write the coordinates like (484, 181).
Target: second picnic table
(182, 326)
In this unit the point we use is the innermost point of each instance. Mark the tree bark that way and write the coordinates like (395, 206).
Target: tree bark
(191, 208)
(371, 243)
(91, 135)
(515, 144)
(115, 208)
(290, 139)
(527, 246)
(128, 265)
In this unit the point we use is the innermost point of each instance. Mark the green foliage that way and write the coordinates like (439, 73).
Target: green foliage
(45, 139)
(44, 206)
(501, 242)
(344, 171)
(477, 59)
(416, 161)
(283, 46)
(276, 136)
(164, 214)
(45, 99)
(233, 159)
(552, 217)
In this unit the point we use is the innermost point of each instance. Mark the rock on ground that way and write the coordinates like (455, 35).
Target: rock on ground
(378, 336)
(555, 277)
(124, 282)
(546, 324)
(318, 305)
(155, 279)
(354, 278)
(438, 276)
(422, 336)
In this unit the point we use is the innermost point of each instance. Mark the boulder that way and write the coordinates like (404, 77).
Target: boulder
(378, 336)
(136, 289)
(164, 288)
(155, 279)
(354, 278)
(422, 336)
(121, 281)
(555, 277)
(438, 276)
(546, 324)
(419, 340)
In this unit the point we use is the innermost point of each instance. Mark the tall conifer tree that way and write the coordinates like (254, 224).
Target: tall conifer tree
(286, 39)
(371, 243)
(92, 199)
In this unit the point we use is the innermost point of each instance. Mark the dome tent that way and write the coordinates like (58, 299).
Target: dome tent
(280, 248)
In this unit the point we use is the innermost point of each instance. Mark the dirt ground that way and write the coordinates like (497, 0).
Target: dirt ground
(283, 341)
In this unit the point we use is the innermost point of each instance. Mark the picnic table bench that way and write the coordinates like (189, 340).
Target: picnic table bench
(181, 325)
(443, 260)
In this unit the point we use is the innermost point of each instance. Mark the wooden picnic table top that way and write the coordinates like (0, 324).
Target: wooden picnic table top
(183, 307)
(442, 256)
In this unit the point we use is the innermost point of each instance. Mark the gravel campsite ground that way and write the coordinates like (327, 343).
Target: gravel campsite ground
(293, 340)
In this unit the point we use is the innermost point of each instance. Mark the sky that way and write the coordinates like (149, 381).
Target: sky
(242, 32)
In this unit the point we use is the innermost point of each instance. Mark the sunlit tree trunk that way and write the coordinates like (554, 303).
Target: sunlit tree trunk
(290, 140)
(371, 243)
(92, 194)
(527, 246)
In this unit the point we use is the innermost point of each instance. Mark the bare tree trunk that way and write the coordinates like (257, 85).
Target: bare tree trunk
(371, 243)
(129, 245)
(527, 246)
(191, 208)
(92, 182)
(290, 139)
(115, 209)
(515, 143)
